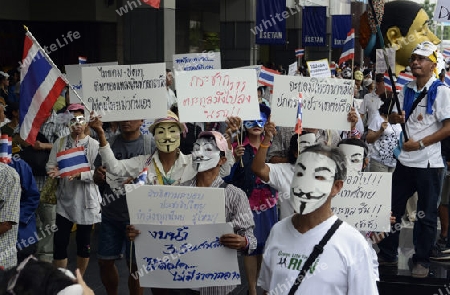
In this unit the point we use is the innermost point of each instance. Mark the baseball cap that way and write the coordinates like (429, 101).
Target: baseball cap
(221, 142)
(425, 48)
(75, 107)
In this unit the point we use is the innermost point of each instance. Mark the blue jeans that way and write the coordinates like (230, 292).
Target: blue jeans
(111, 239)
(427, 183)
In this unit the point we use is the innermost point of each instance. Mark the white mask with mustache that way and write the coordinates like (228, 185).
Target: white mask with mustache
(167, 136)
(205, 154)
(354, 155)
(312, 183)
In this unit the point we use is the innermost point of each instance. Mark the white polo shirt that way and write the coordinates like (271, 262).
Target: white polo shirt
(420, 124)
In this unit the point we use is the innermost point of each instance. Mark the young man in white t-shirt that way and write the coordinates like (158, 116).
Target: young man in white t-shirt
(346, 265)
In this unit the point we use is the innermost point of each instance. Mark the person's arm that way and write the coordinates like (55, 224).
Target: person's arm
(30, 198)
(52, 164)
(444, 132)
(373, 136)
(259, 166)
(9, 214)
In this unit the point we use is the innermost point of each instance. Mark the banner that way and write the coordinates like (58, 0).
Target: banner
(380, 66)
(319, 68)
(341, 25)
(271, 22)
(314, 26)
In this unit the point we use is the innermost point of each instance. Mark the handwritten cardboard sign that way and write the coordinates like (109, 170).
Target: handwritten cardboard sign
(196, 61)
(175, 205)
(215, 95)
(128, 92)
(182, 257)
(442, 11)
(292, 69)
(319, 68)
(365, 201)
(325, 102)
(73, 74)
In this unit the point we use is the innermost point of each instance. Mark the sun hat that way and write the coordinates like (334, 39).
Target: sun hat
(170, 118)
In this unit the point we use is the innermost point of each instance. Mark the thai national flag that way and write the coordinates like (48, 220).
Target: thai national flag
(5, 149)
(446, 52)
(298, 126)
(447, 79)
(266, 76)
(299, 52)
(41, 83)
(72, 161)
(388, 84)
(153, 3)
(141, 178)
(82, 60)
(348, 51)
(403, 79)
(333, 69)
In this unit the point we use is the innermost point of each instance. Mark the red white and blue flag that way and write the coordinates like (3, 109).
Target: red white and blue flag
(348, 51)
(333, 69)
(267, 76)
(446, 52)
(298, 126)
(403, 79)
(153, 3)
(72, 161)
(388, 84)
(41, 83)
(5, 149)
(447, 79)
(299, 52)
(82, 60)
(142, 177)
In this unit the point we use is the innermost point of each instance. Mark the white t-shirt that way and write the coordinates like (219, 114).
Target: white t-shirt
(370, 105)
(346, 265)
(382, 149)
(420, 124)
(280, 178)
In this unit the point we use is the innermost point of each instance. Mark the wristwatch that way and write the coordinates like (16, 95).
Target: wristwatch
(422, 146)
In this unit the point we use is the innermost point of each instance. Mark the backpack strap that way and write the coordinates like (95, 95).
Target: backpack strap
(318, 249)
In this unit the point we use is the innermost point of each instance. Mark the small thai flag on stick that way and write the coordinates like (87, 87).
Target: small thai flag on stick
(82, 60)
(141, 178)
(299, 52)
(446, 52)
(72, 161)
(298, 126)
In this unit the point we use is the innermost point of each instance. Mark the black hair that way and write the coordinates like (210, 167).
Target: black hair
(168, 71)
(10, 108)
(36, 278)
(293, 149)
(388, 104)
(356, 142)
(379, 77)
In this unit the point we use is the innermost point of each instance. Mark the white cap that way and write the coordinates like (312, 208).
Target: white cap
(6, 75)
(425, 48)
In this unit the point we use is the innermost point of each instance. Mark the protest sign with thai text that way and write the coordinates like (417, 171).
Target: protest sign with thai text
(215, 95)
(196, 61)
(319, 68)
(189, 256)
(365, 201)
(175, 205)
(126, 92)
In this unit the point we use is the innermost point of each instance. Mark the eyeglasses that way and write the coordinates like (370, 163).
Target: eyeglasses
(419, 58)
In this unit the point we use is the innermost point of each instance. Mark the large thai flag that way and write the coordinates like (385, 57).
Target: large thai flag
(142, 177)
(72, 161)
(348, 51)
(41, 83)
(5, 149)
(299, 52)
(403, 79)
(267, 76)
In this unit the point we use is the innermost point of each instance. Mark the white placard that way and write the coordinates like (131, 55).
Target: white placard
(257, 69)
(380, 66)
(196, 61)
(293, 69)
(442, 11)
(175, 205)
(325, 102)
(365, 201)
(319, 68)
(215, 95)
(73, 74)
(128, 92)
(185, 257)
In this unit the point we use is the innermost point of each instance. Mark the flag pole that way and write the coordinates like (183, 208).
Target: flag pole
(47, 57)
(386, 60)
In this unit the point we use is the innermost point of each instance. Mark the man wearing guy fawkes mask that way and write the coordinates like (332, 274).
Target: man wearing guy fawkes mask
(319, 175)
